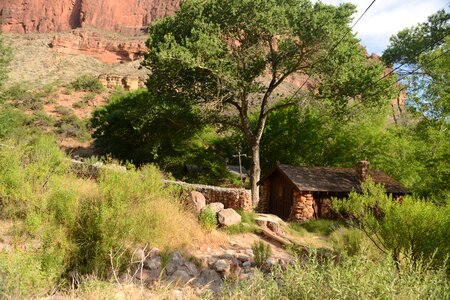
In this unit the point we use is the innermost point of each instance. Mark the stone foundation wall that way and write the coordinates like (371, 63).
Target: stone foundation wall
(302, 207)
(230, 197)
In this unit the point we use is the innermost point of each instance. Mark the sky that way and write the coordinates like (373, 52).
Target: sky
(387, 17)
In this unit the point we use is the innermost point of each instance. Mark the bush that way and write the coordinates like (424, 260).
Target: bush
(87, 83)
(416, 229)
(347, 240)
(81, 225)
(72, 126)
(208, 219)
(11, 121)
(262, 252)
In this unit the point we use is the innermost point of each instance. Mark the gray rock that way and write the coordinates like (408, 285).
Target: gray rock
(209, 278)
(175, 261)
(215, 207)
(228, 217)
(249, 252)
(153, 263)
(198, 200)
(247, 264)
(212, 260)
(243, 257)
(180, 276)
(222, 265)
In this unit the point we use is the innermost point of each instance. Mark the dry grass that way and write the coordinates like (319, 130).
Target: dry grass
(35, 63)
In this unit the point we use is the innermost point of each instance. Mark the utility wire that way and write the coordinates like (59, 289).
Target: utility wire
(334, 47)
(417, 55)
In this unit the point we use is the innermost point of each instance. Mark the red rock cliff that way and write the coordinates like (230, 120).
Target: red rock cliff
(125, 16)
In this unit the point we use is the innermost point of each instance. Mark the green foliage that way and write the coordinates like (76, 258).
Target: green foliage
(71, 126)
(415, 229)
(24, 273)
(322, 227)
(142, 128)
(262, 251)
(80, 104)
(352, 278)
(79, 225)
(87, 83)
(11, 121)
(408, 43)
(193, 62)
(347, 240)
(89, 97)
(208, 219)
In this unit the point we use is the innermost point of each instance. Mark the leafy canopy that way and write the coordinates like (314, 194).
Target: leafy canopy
(233, 58)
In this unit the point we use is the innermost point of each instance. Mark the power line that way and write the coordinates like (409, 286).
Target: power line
(334, 47)
(417, 55)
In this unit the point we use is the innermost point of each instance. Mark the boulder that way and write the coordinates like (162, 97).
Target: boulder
(209, 278)
(175, 261)
(153, 263)
(198, 200)
(180, 276)
(228, 217)
(215, 207)
(222, 265)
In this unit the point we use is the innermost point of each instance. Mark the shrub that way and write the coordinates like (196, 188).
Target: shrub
(22, 274)
(11, 121)
(87, 83)
(80, 104)
(347, 240)
(89, 97)
(262, 252)
(208, 219)
(416, 229)
(72, 126)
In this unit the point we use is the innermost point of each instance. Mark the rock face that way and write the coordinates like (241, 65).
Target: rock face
(122, 16)
(105, 49)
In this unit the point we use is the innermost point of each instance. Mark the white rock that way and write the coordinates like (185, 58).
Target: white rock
(228, 217)
(215, 207)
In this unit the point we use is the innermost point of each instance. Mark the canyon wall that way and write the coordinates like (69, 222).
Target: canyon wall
(122, 16)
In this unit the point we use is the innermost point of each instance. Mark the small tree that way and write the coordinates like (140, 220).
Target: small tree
(231, 58)
(413, 228)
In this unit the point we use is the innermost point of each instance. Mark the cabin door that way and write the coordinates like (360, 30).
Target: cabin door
(280, 197)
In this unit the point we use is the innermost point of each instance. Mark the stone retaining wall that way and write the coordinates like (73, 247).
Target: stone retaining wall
(230, 197)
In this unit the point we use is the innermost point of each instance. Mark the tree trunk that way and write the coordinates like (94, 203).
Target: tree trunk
(255, 174)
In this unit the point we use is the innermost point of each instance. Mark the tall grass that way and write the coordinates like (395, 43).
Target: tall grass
(352, 278)
(79, 226)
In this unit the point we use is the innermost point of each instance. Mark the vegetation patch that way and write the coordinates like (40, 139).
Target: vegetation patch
(86, 83)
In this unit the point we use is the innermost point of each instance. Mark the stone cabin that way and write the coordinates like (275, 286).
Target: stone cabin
(304, 193)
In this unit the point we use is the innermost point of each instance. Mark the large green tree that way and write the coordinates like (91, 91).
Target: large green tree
(422, 56)
(232, 58)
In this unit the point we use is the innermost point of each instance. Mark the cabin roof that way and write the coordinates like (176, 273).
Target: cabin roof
(326, 179)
